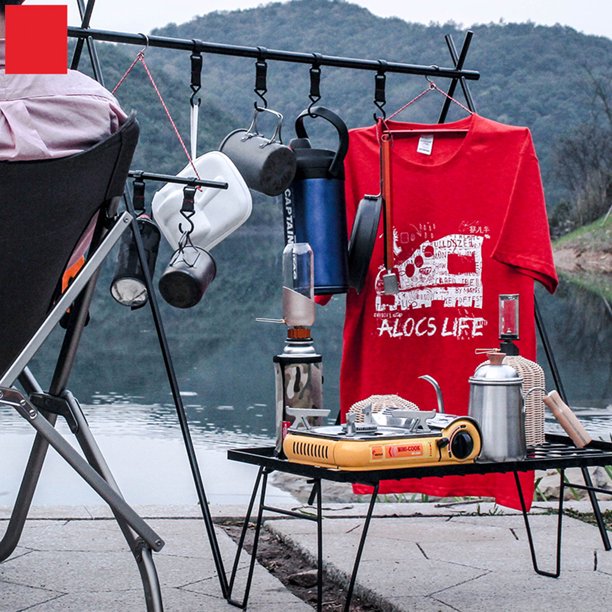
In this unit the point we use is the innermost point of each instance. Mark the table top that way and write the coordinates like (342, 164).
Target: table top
(556, 452)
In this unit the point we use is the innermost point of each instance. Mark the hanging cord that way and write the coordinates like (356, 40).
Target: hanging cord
(315, 82)
(261, 72)
(431, 87)
(380, 96)
(140, 58)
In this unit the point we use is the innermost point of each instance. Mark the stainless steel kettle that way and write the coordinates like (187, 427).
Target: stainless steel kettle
(497, 404)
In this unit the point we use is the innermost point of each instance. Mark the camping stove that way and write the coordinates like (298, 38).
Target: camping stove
(415, 438)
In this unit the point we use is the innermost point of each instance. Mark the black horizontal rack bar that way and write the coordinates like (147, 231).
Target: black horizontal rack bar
(192, 181)
(262, 53)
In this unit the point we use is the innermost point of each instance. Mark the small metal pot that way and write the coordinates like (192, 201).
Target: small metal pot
(497, 404)
(189, 273)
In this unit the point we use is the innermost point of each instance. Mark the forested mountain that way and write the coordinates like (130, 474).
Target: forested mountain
(538, 76)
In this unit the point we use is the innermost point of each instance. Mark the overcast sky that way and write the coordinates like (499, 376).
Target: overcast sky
(588, 16)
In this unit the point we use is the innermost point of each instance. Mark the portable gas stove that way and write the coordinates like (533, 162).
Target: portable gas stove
(391, 439)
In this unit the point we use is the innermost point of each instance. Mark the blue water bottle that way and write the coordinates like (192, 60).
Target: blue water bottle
(313, 204)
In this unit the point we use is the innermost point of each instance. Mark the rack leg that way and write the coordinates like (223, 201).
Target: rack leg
(559, 384)
(534, 561)
(245, 527)
(364, 533)
(179, 406)
(263, 477)
(596, 509)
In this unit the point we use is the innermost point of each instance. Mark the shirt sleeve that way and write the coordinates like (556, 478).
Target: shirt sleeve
(524, 240)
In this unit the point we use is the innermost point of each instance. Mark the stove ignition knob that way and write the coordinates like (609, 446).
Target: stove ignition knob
(442, 442)
(462, 445)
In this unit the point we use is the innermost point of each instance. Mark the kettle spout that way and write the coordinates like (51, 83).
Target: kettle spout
(436, 386)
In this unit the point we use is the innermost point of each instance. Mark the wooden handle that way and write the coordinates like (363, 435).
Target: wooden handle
(567, 419)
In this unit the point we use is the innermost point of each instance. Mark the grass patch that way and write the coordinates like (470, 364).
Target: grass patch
(595, 283)
(589, 517)
(595, 236)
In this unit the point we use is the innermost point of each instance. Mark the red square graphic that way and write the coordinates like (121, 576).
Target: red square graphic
(37, 39)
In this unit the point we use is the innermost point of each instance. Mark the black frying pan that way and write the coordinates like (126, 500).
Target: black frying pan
(363, 236)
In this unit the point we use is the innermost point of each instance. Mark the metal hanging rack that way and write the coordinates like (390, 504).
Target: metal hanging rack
(457, 75)
(262, 53)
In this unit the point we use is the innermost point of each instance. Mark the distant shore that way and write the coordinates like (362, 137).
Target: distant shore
(576, 259)
(586, 250)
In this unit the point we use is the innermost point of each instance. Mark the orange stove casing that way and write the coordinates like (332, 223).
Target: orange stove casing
(458, 442)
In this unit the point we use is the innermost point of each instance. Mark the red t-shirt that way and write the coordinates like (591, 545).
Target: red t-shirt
(469, 223)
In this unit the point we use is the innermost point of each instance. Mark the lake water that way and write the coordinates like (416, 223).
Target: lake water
(223, 360)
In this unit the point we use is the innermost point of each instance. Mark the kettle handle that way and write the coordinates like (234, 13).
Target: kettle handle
(331, 117)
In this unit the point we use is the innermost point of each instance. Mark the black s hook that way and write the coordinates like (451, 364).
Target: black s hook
(315, 82)
(261, 72)
(380, 96)
(196, 74)
(187, 211)
(138, 197)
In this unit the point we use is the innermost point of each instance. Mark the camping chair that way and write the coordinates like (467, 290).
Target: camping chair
(45, 209)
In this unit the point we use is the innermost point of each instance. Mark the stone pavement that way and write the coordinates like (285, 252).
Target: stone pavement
(75, 559)
(417, 557)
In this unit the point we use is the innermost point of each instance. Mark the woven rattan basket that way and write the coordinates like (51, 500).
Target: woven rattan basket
(533, 376)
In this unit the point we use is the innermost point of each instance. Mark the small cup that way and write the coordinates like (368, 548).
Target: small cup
(128, 286)
(267, 165)
(189, 273)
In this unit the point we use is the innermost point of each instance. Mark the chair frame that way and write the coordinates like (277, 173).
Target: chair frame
(41, 410)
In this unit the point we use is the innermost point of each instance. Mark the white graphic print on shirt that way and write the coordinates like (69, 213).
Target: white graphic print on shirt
(447, 271)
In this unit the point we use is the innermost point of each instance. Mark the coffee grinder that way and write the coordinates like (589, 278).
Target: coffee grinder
(298, 369)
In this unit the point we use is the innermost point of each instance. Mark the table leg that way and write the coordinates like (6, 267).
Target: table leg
(364, 533)
(317, 487)
(534, 561)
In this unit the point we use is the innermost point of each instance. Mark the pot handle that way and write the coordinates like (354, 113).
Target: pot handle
(530, 391)
(343, 137)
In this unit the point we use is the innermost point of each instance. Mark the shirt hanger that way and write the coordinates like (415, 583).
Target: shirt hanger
(429, 129)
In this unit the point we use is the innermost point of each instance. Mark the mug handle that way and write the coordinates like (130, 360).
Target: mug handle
(252, 130)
